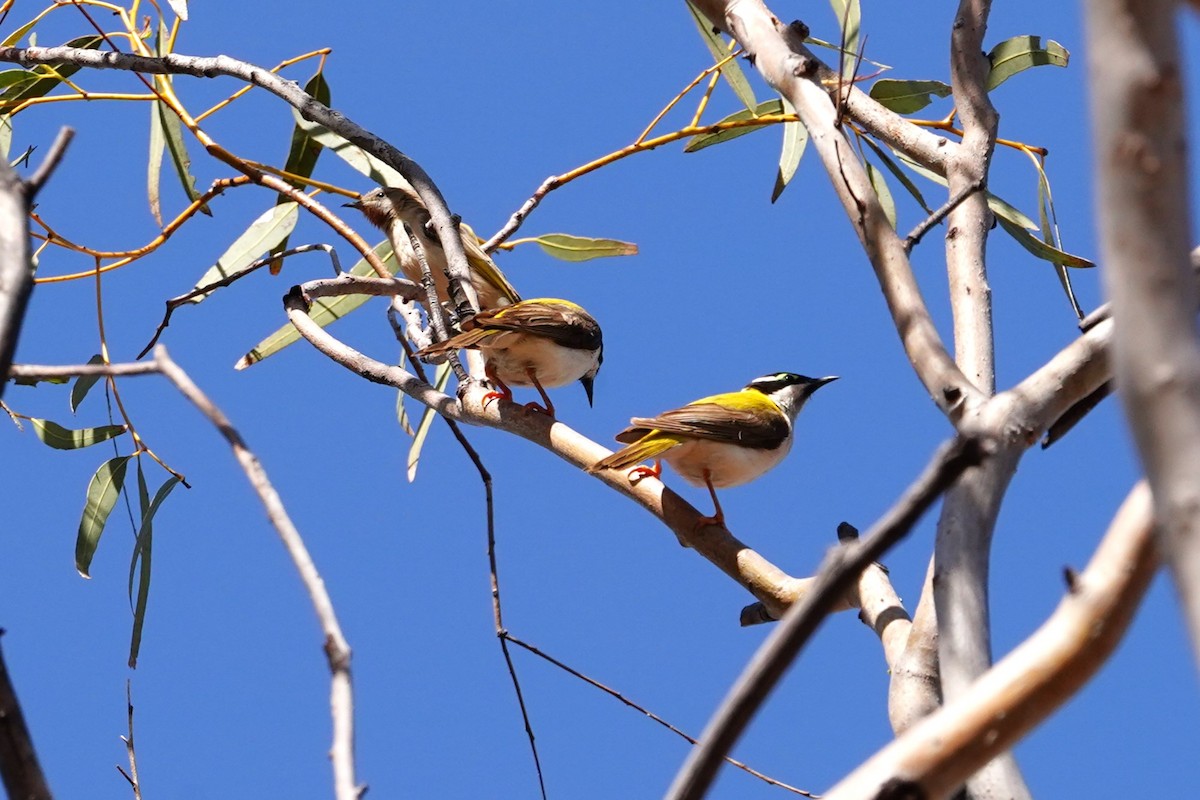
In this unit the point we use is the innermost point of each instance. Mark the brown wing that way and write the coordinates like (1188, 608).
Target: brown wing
(757, 428)
(565, 325)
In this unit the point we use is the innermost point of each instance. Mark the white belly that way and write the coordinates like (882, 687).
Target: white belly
(727, 464)
(512, 355)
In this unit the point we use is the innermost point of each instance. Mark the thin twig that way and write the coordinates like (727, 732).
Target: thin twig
(131, 776)
(437, 317)
(648, 713)
(837, 574)
(940, 214)
(176, 302)
(53, 156)
(485, 478)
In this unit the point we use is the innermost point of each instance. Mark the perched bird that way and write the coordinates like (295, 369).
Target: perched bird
(389, 207)
(540, 343)
(719, 441)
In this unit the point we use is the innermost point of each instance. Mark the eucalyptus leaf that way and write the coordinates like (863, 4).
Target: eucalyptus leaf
(19, 34)
(731, 71)
(703, 140)
(898, 173)
(907, 97)
(1021, 53)
(795, 140)
(102, 493)
(173, 133)
(142, 551)
(302, 155)
(45, 77)
(324, 311)
(6, 135)
(272, 226)
(849, 20)
(353, 155)
(84, 384)
(54, 435)
(441, 378)
(566, 247)
(879, 184)
(158, 144)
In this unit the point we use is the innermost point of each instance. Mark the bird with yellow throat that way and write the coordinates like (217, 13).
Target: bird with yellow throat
(719, 441)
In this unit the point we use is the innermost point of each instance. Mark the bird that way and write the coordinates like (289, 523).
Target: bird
(719, 441)
(390, 207)
(543, 343)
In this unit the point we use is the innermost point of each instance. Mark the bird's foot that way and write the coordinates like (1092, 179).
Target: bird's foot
(638, 474)
(534, 406)
(491, 396)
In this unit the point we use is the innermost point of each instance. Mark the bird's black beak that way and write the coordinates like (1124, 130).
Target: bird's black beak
(356, 204)
(819, 382)
(587, 381)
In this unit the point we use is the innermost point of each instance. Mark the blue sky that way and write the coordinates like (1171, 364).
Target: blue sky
(231, 690)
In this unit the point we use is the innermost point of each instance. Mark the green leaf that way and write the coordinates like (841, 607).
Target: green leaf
(142, 555)
(84, 384)
(45, 77)
(158, 144)
(566, 247)
(731, 71)
(102, 493)
(19, 34)
(1014, 222)
(849, 19)
(36, 381)
(1021, 53)
(898, 173)
(302, 155)
(54, 435)
(703, 140)
(441, 378)
(1040, 249)
(324, 311)
(907, 97)
(6, 134)
(272, 226)
(16, 77)
(795, 139)
(879, 184)
(353, 155)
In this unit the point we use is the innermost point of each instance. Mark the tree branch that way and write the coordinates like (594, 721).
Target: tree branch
(19, 767)
(1141, 164)
(778, 52)
(839, 571)
(938, 753)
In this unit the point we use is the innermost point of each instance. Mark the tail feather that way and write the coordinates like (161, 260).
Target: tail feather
(461, 341)
(649, 446)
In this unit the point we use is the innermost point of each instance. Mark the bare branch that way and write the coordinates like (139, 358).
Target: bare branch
(938, 753)
(291, 93)
(1141, 164)
(337, 650)
(839, 571)
(19, 765)
(50, 163)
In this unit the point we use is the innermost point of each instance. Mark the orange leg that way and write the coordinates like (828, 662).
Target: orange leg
(505, 393)
(717, 518)
(549, 407)
(638, 473)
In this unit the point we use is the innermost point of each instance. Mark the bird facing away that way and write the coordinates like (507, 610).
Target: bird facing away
(541, 343)
(390, 207)
(718, 441)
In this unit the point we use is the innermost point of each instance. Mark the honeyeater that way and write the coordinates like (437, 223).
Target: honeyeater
(718, 441)
(390, 207)
(543, 343)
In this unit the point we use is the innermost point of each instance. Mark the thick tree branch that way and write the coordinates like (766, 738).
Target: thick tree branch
(19, 767)
(839, 572)
(937, 754)
(1141, 164)
(779, 53)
